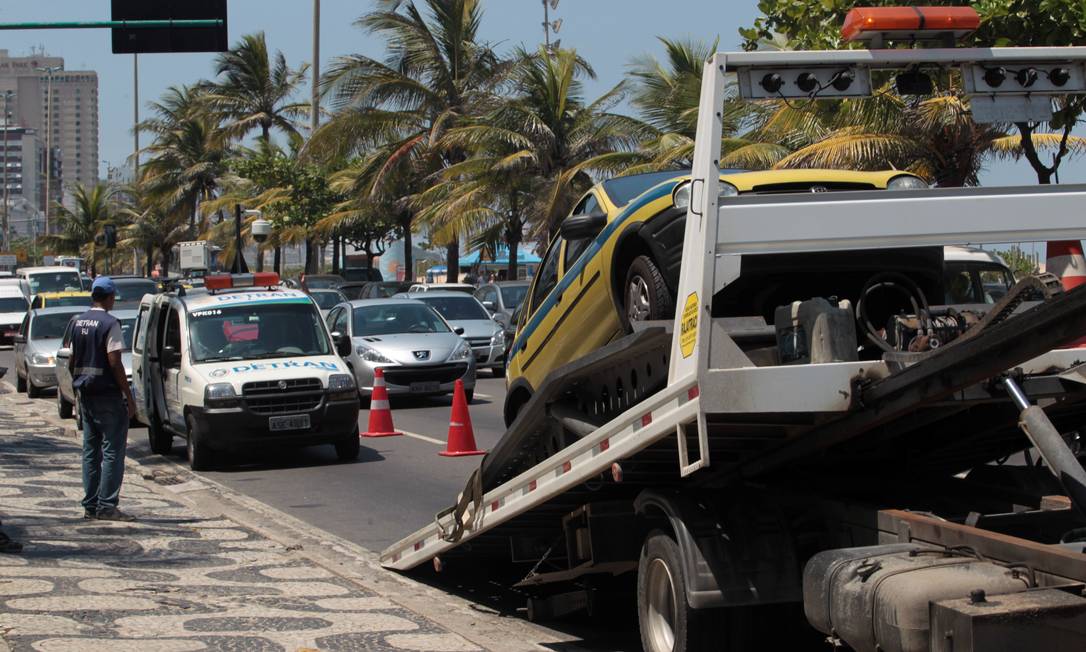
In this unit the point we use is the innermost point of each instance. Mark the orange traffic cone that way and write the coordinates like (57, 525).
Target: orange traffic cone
(380, 413)
(1065, 260)
(461, 436)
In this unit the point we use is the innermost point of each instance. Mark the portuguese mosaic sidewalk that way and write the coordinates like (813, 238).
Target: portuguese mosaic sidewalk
(182, 578)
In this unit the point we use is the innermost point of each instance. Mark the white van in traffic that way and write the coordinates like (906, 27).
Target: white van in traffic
(244, 366)
(35, 280)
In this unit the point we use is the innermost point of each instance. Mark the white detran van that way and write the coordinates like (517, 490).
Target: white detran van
(244, 366)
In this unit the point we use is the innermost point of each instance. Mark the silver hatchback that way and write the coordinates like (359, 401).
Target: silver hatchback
(36, 347)
(416, 349)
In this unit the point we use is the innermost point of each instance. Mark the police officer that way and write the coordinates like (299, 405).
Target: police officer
(105, 399)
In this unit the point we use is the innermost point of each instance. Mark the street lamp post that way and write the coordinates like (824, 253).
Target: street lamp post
(7, 122)
(48, 70)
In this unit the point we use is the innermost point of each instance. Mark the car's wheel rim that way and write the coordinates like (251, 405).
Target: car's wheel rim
(638, 303)
(660, 613)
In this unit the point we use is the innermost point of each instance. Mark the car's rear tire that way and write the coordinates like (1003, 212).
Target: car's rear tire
(469, 394)
(348, 449)
(32, 390)
(160, 439)
(645, 296)
(64, 408)
(201, 458)
(20, 383)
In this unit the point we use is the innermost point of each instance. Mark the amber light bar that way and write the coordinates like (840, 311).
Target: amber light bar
(227, 281)
(871, 23)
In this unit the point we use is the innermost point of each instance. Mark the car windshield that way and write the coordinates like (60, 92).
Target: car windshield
(622, 190)
(66, 302)
(54, 282)
(133, 289)
(395, 318)
(456, 308)
(322, 282)
(512, 295)
(128, 327)
(327, 300)
(387, 289)
(262, 330)
(48, 326)
(12, 304)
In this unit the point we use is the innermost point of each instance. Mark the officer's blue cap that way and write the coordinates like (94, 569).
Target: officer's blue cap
(103, 285)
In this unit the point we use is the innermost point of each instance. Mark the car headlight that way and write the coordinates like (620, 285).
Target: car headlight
(220, 395)
(681, 196)
(461, 352)
(341, 387)
(372, 355)
(907, 182)
(41, 358)
(498, 338)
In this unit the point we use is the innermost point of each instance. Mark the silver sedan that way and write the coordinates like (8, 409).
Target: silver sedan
(416, 349)
(36, 348)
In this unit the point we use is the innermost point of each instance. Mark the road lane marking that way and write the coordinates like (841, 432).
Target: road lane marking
(423, 438)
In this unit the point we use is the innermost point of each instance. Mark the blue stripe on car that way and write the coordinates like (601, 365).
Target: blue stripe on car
(646, 198)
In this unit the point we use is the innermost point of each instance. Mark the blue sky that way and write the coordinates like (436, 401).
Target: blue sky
(609, 33)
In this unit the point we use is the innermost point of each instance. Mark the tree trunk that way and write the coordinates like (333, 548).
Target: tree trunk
(150, 251)
(310, 257)
(335, 255)
(1044, 173)
(408, 261)
(277, 260)
(452, 261)
(514, 231)
(259, 259)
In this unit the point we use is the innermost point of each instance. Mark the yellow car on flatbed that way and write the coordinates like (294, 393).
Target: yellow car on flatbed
(60, 299)
(616, 261)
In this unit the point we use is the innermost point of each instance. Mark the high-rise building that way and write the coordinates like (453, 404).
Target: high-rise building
(72, 110)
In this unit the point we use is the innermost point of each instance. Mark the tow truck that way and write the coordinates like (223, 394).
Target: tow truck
(909, 483)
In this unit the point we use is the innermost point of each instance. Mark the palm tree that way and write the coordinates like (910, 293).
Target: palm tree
(151, 231)
(435, 75)
(254, 90)
(92, 209)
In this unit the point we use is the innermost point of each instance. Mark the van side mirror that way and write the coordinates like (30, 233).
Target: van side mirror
(579, 227)
(343, 343)
(489, 305)
(169, 357)
(459, 330)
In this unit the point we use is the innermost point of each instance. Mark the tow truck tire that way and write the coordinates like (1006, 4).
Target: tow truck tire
(201, 458)
(347, 450)
(667, 622)
(20, 383)
(159, 438)
(32, 390)
(64, 408)
(645, 296)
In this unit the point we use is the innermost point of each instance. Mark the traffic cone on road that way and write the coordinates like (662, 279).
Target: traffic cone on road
(380, 413)
(1066, 261)
(461, 436)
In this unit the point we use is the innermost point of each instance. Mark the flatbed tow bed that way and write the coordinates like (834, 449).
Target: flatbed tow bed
(763, 484)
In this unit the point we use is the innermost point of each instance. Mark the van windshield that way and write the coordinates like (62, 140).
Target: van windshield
(54, 282)
(262, 330)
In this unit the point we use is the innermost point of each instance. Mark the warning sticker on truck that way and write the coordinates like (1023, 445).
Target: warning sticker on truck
(688, 331)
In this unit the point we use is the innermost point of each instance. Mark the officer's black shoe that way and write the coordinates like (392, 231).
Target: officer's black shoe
(90, 514)
(114, 514)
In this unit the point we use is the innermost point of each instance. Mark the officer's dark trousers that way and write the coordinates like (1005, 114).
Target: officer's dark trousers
(105, 435)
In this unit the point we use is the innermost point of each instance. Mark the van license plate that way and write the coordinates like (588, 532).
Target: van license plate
(428, 386)
(292, 422)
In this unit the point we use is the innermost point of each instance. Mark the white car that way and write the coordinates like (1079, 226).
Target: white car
(13, 307)
(242, 366)
(467, 288)
(463, 311)
(35, 280)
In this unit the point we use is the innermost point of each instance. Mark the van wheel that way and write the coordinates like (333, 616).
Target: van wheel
(645, 295)
(64, 408)
(201, 458)
(160, 439)
(667, 622)
(347, 450)
(20, 383)
(32, 390)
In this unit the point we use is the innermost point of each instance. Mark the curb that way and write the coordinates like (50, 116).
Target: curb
(477, 623)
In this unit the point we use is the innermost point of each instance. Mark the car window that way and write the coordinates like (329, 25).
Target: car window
(54, 282)
(67, 341)
(327, 300)
(12, 304)
(397, 318)
(133, 289)
(49, 326)
(66, 302)
(173, 330)
(342, 319)
(547, 276)
(512, 295)
(140, 330)
(454, 308)
(128, 329)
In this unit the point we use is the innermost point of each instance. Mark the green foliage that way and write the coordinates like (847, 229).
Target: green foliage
(1021, 264)
(294, 193)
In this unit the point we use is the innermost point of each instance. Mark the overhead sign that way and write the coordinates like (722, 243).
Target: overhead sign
(990, 109)
(170, 39)
(8, 260)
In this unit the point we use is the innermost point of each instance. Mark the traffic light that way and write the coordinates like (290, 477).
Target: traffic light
(170, 39)
(109, 233)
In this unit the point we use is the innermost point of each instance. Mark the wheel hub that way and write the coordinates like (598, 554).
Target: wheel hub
(660, 614)
(638, 303)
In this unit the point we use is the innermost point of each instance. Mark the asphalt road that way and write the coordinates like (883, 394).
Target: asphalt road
(395, 487)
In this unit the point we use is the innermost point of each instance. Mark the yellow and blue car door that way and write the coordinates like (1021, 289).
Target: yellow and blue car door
(537, 330)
